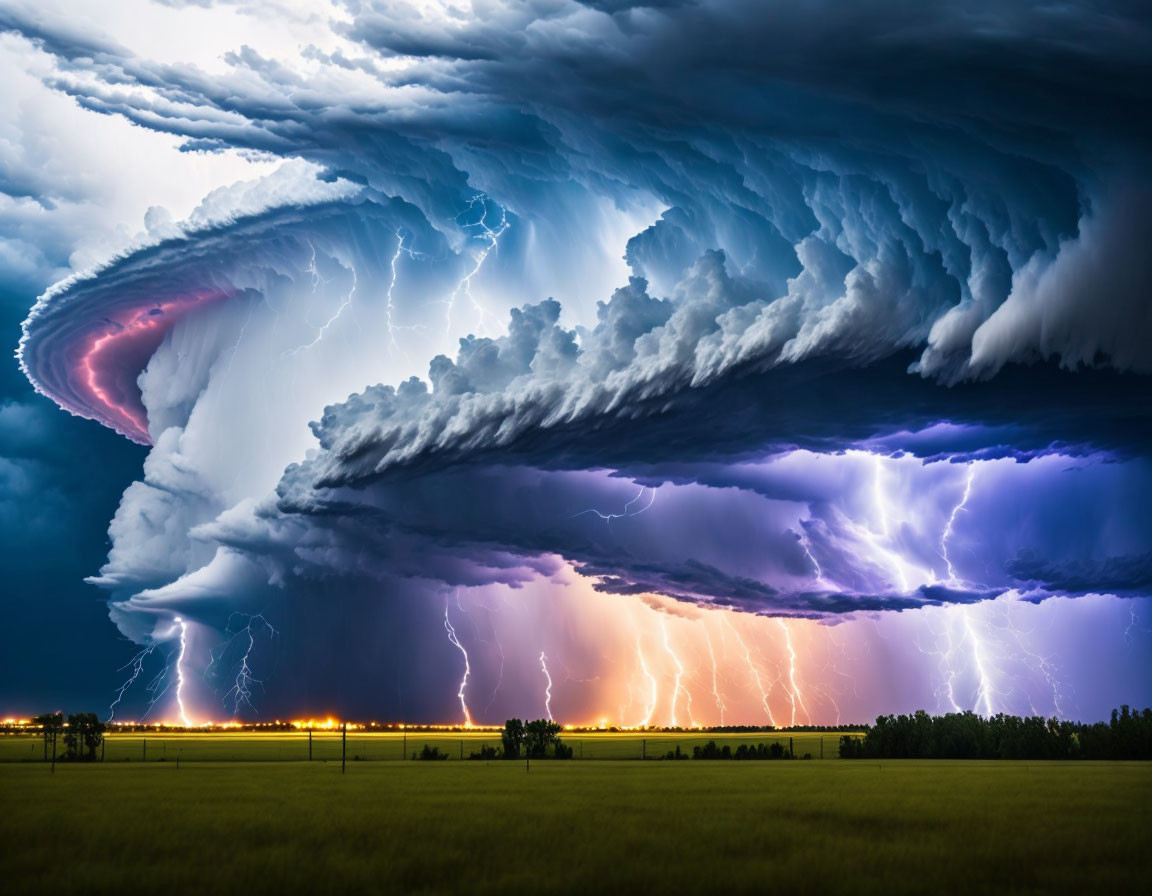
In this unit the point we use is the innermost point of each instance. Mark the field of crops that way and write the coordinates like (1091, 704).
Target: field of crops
(247, 746)
(572, 827)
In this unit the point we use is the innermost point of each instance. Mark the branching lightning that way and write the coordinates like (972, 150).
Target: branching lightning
(793, 690)
(715, 684)
(655, 688)
(490, 238)
(137, 665)
(753, 670)
(970, 475)
(335, 316)
(241, 690)
(627, 511)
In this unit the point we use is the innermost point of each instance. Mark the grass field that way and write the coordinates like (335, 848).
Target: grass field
(592, 827)
(247, 746)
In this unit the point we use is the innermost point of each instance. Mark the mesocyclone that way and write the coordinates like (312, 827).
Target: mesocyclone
(804, 383)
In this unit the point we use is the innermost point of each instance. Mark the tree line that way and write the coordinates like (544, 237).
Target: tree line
(82, 734)
(965, 735)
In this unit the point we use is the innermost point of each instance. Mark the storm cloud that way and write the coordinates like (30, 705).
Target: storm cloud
(541, 292)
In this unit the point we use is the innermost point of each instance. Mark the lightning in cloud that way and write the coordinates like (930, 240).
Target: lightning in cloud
(627, 511)
(489, 236)
(401, 249)
(347, 300)
(970, 475)
(806, 546)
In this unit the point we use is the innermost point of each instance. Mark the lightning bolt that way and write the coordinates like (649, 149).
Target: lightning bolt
(715, 684)
(1042, 664)
(490, 238)
(950, 526)
(627, 512)
(548, 686)
(467, 667)
(752, 668)
(336, 316)
(655, 688)
(499, 678)
(984, 690)
(401, 249)
(241, 690)
(137, 664)
(806, 546)
(794, 691)
(180, 671)
(677, 686)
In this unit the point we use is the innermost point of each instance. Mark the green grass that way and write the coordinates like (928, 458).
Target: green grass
(592, 827)
(247, 746)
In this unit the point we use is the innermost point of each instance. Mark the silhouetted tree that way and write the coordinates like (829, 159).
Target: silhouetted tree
(539, 735)
(512, 738)
(51, 724)
(85, 731)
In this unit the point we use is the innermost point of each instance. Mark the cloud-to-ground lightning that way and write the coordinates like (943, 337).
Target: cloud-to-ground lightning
(647, 720)
(755, 673)
(460, 693)
(793, 689)
(715, 684)
(677, 685)
(180, 671)
(547, 685)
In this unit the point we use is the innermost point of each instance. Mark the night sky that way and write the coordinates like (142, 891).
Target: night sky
(680, 363)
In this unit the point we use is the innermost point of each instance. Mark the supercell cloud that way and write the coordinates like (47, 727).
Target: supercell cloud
(739, 362)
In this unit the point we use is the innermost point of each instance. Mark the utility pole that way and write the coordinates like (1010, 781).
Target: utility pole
(644, 748)
(791, 753)
(821, 746)
(461, 750)
(103, 740)
(309, 744)
(53, 752)
(343, 746)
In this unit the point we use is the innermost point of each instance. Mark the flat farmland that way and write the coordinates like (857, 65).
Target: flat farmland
(248, 746)
(577, 827)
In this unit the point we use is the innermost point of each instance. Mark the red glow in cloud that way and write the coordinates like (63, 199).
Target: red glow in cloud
(116, 352)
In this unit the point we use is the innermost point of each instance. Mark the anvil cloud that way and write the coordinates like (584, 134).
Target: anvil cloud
(618, 324)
